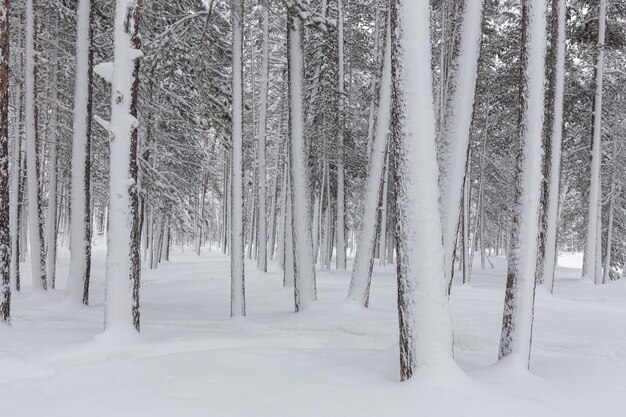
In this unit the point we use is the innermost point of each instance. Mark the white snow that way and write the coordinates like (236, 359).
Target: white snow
(335, 359)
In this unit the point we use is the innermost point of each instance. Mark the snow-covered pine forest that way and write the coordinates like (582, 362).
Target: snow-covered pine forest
(312, 208)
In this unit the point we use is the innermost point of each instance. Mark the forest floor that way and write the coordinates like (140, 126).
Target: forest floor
(334, 360)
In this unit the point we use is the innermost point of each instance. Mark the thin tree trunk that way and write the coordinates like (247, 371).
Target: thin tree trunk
(238, 304)
(5, 232)
(262, 233)
(591, 256)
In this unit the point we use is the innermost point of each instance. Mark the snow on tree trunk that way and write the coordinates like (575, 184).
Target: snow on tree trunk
(363, 261)
(382, 250)
(262, 236)
(77, 289)
(424, 317)
(592, 257)
(304, 288)
(341, 223)
(519, 300)
(458, 119)
(609, 234)
(15, 175)
(119, 282)
(552, 157)
(237, 289)
(51, 217)
(38, 271)
(5, 233)
(53, 138)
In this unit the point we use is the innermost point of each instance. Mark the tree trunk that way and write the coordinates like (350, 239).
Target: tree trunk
(262, 231)
(517, 322)
(34, 207)
(122, 279)
(5, 232)
(421, 278)
(552, 148)
(591, 256)
(341, 224)
(457, 122)
(304, 289)
(238, 304)
(363, 262)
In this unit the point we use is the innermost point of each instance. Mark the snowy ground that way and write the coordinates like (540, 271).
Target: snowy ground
(335, 360)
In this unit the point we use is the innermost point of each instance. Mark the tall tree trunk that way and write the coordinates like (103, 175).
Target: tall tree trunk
(591, 256)
(422, 285)
(363, 262)
(262, 233)
(552, 147)
(34, 207)
(237, 289)
(135, 235)
(341, 224)
(304, 289)
(517, 322)
(121, 283)
(5, 232)
(15, 175)
(53, 135)
(456, 130)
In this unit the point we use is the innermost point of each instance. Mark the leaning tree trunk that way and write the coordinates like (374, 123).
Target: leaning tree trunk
(5, 233)
(423, 310)
(519, 300)
(364, 259)
(456, 130)
(237, 290)
(591, 254)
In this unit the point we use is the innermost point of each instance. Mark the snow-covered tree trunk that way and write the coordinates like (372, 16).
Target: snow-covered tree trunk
(262, 234)
(15, 174)
(552, 149)
(120, 283)
(77, 289)
(340, 231)
(51, 216)
(5, 232)
(457, 122)
(382, 250)
(519, 300)
(38, 271)
(305, 292)
(237, 289)
(289, 272)
(424, 317)
(53, 140)
(592, 257)
(609, 234)
(364, 259)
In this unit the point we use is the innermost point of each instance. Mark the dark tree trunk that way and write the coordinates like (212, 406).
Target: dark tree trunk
(135, 236)
(5, 235)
